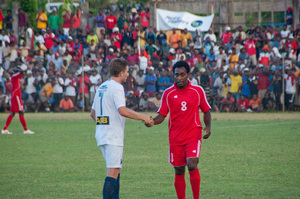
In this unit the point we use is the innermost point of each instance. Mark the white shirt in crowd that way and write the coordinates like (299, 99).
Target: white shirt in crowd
(141, 81)
(58, 88)
(95, 80)
(143, 63)
(108, 99)
(193, 81)
(211, 36)
(30, 88)
(290, 87)
(70, 90)
(43, 78)
(39, 39)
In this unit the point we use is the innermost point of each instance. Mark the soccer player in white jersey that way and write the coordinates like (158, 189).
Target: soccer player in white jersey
(109, 112)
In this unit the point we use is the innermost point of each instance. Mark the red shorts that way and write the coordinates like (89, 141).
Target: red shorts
(180, 153)
(16, 104)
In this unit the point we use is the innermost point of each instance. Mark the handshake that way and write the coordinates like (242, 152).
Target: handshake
(148, 121)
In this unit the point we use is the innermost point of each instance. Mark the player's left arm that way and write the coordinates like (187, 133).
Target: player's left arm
(207, 121)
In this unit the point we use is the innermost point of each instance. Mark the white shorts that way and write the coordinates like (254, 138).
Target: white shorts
(113, 155)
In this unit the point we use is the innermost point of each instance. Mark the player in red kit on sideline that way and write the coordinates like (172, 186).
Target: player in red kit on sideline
(16, 102)
(183, 101)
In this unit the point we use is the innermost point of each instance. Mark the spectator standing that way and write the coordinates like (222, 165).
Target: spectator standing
(41, 19)
(54, 22)
(121, 21)
(140, 81)
(76, 19)
(290, 88)
(1, 20)
(111, 22)
(226, 35)
(133, 19)
(9, 19)
(130, 83)
(174, 38)
(162, 38)
(185, 36)
(23, 19)
(100, 20)
(67, 23)
(116, 38)
(150, 82)
(211, 35)
(250, 46)
(263, 80)
(70, 85)
(91, 21)
(145, 16)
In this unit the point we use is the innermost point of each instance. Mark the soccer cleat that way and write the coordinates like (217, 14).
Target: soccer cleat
(6, 132)
(28, 132)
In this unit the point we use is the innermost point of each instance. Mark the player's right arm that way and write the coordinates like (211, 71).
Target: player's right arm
(126, 112)
(93, 115)
(159, 119)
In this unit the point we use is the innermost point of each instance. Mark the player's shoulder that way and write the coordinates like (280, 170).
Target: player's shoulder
(170, 89)
(196, 87)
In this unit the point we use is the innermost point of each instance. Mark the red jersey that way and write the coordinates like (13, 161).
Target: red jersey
(110, 22)
(183, 105)
(116, 40)
(250, 47)
(16, 87)
(49, 40)
(225, 37)
(244, 104)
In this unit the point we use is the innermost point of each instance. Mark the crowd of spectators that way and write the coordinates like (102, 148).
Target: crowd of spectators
(240, 70)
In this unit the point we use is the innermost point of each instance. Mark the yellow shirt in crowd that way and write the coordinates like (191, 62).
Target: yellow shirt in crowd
(41, 24)
(236, 81)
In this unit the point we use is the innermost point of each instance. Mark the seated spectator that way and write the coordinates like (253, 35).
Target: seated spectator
(131, 101)
(155, 102)
(242, 104)
(46, 93)
(255, 104)
(4, 101)
(144, 103)
(66, 105)
(227, 103)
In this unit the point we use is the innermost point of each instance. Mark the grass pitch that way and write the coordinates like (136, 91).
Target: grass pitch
(247, 156)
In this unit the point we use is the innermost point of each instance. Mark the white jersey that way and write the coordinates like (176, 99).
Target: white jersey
(109, 97)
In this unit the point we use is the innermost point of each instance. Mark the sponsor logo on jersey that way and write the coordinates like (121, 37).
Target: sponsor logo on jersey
(175, 96)
(194, 151)
(103, 120)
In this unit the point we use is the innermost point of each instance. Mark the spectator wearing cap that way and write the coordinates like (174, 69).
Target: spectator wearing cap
(54, 21)
(111, 21)
(145, 16)
(226, 35)
(121, 21)
(65, 105)
(133, 18)
(174, 38)
(264, 56)
(131, 101)
(41, 19)
(67, 22)
(150, 82)
(58, 62)
(100, 21)
(70, 45)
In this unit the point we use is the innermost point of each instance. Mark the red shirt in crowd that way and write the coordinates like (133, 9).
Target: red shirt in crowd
(263, 81)
(67, 21)
(250, 47)
(49, 40)
(116, 39)
(225, 37)
(183, 105)
(111, 22)
(86, 84)
(145, 19)
(244, 104)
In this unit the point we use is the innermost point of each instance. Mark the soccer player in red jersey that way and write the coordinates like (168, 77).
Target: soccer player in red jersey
(16, 102)
(183, 101)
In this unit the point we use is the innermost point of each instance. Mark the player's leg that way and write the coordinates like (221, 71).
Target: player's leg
(192, 153)
(113, 157)
(178, 159)
(22, 120)
(8, 121)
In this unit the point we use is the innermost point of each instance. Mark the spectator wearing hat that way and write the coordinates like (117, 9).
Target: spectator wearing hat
(67, 22)
(131, 101)
(54, 21)
(41, 19)
(111, 55)
(111, 22)
(264, 56)
(133, 18)
(145, 16)
(226, 35)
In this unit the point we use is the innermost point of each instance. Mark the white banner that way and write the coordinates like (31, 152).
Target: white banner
(168, 20)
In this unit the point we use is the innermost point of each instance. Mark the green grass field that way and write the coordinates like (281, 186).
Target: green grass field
(247, 156)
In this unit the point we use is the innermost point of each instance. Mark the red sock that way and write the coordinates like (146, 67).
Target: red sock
(23, 122)
(180, 186)
(195, 183)
(8, 121)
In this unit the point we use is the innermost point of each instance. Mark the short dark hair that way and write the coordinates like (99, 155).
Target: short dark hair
(116, 66)
(180, 64)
